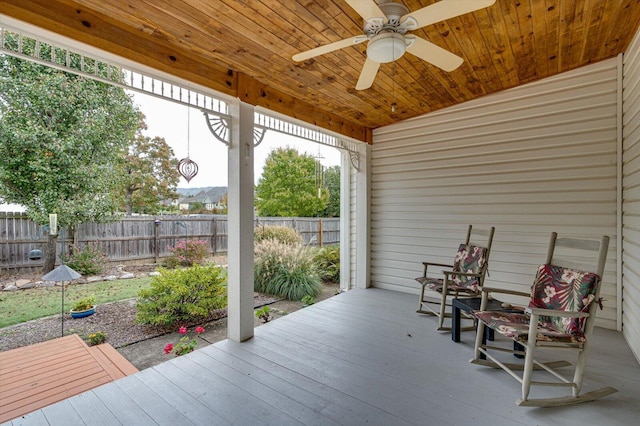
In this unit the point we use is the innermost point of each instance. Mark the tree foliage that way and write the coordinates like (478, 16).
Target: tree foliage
(332, 183)
(288, 185)
(149, 173)
(61, 135)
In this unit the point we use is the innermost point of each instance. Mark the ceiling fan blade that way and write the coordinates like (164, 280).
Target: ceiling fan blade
(367, 9)
(445, 9)
(368, 74)
(434, 54)
(302, 56)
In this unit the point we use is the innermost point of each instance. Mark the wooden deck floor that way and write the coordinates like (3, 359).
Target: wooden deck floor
(362, 357)
(35, 376)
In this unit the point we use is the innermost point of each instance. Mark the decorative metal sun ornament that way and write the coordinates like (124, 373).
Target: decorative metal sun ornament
(187, 167)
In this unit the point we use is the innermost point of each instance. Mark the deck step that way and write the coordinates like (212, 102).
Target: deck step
(35, 376)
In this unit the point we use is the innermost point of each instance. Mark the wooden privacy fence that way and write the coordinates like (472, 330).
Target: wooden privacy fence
(142, 239)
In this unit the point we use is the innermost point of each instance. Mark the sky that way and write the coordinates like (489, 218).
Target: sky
(171, 121)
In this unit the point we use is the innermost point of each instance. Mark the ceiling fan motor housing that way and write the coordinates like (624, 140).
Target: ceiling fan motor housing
(391, 21)
(386, 47)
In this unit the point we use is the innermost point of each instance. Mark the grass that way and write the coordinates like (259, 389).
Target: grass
(25, 305)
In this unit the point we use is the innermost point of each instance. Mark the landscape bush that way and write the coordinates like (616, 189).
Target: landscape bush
(327, 260)
(282, 234)
(89, 259)
(285, 270)
(182, 296)
(187, 253)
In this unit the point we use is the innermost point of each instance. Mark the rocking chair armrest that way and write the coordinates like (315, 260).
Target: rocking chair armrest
(505, 291)
(556, 313)
(444, 265)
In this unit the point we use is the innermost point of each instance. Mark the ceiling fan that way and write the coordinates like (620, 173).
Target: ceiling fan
(386, 24)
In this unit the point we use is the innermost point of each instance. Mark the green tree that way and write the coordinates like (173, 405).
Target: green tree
(150, 173)
(196, 207)
(332, 183)
(61, 136)
(288, 185)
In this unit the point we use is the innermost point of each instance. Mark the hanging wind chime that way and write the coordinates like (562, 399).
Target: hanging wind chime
(187, 167)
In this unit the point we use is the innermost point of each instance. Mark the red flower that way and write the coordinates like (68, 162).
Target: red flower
(182, 330)
(168, 348)
(199, 330)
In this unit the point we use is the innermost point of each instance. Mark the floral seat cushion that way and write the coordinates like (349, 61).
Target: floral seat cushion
(469, 259)
(516, 326)
(554, 288)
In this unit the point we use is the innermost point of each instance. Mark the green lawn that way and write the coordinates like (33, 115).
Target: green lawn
(24, 305)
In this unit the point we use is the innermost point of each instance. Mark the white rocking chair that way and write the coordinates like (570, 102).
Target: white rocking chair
(465, 277)
(560, 316)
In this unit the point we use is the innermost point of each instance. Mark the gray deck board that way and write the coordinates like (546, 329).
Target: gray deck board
(93, 409)
(340, 404)
(362, 357)
(285, 404)
(174, 395)
(35, 418)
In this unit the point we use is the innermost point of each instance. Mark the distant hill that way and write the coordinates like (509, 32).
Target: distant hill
(190, 192)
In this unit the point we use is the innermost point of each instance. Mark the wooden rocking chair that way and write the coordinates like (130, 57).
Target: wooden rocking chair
(464, 278)
(561, 314)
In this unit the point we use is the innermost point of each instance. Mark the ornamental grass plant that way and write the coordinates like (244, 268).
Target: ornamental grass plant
(283, 234)
(285, 270)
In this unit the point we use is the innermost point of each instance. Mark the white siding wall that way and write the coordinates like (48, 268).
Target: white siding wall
(631, 197)
(531, 160)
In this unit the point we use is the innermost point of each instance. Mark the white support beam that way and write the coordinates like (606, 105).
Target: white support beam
(363, 221)
(345, 220)
(240, 216)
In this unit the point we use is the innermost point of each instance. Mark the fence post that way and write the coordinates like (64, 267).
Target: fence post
(214, 244)
(320, 232)
(156, 246)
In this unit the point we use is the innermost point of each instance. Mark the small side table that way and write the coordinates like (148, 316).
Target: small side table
(469, 304)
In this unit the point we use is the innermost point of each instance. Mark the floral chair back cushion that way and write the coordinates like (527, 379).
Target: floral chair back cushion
(564, 289)
(470, 259)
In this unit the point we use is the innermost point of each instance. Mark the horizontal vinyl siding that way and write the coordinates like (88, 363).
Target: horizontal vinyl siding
(631, 197)
(529, 161)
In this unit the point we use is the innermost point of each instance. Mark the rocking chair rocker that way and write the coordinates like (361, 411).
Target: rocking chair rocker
(560, 316)
(464, 278)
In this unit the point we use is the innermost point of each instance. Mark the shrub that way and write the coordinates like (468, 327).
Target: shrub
(282, 234)
(285, 270)
(327, 260)
(264, 314)
(86, 260)
(97, 338)
(182, 296)
(187, 253)
(308, 300)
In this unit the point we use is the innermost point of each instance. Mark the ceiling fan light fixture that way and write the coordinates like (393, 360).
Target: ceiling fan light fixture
(386, 47)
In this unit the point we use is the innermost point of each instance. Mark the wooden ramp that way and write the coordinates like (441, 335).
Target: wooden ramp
(35, 376)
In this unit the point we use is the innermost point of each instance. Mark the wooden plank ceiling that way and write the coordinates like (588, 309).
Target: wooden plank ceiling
(244, 49)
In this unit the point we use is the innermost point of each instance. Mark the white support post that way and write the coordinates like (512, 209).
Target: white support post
(240, 216)
(345, 221)
(363, 215)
